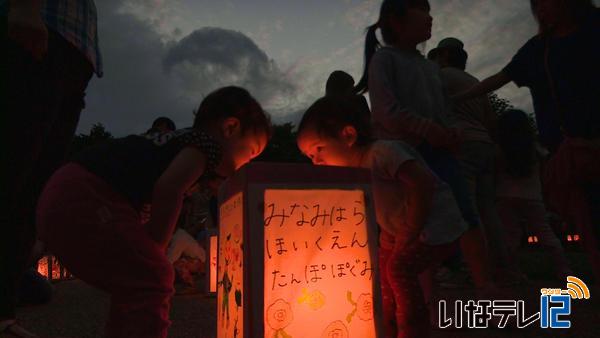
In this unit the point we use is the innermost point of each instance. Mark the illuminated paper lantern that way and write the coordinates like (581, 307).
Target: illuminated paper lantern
(211, 261)
(297, 253)
(49, 267)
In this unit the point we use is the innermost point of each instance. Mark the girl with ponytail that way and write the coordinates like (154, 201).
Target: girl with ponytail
(408, 104)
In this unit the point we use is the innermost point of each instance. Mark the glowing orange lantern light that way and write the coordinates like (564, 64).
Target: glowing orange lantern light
(569, 238)
(576, 238)
(50, 267)
(212, 242)
(297, 253)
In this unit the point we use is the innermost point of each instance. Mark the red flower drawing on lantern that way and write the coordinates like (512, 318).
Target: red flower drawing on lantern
(279, 316)
(336, 329)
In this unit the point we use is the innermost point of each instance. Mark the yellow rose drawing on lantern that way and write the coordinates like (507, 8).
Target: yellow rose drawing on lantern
(279, 316)
(336, 329)
(315, 300)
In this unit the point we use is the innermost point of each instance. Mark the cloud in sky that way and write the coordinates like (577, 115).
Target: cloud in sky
(162, 56)
(134, 89)
(210, 58)
(148, 75)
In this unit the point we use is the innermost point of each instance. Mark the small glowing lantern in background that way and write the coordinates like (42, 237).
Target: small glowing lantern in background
(49, 267)
(532, 240)
(211, 261)
(297, 253)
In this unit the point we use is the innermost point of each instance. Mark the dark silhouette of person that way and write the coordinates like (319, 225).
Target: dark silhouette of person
(51, 52)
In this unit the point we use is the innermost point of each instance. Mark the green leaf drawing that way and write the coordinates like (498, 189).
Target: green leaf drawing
(349, 297)
(350, 315)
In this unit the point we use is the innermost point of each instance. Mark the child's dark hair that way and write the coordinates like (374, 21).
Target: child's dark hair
(330, 114)
(339, 83)
(516, 138)
(232, 102)
(389, 9)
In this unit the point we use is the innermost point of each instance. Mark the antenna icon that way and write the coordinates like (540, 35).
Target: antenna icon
(577, 288)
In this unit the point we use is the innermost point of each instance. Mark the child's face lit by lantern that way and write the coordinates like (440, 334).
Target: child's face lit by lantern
(324, 150)
(247, 146)
(239, 147)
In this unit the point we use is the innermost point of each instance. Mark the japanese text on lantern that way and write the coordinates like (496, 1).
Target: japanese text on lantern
(230, 272)
(318, 271)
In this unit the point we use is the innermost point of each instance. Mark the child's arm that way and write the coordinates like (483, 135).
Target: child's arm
(420, 187)
(169, 190)
(484, 87)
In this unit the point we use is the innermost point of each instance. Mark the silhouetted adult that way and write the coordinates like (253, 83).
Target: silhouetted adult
(474, 118)
(560, 67)
(51, 52)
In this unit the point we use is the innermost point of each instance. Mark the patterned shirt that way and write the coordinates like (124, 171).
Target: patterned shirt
(133, 164)
(74, 20)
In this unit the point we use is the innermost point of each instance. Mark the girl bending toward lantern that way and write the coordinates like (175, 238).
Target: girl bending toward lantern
(89, 212)
(418, 215)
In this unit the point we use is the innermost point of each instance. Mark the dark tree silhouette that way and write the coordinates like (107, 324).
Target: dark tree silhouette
(282, 146)
(98, 134)
(499, 105)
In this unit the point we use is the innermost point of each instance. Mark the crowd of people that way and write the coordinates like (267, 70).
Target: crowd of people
(448, 174)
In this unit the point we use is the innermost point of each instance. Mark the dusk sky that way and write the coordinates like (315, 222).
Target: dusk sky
(162, 57)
